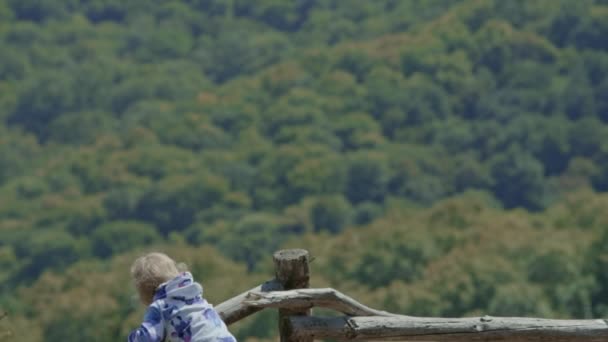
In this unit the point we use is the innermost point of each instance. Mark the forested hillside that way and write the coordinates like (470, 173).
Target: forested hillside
(437, 157)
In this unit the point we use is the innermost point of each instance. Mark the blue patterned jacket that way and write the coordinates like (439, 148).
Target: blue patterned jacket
(179, 313)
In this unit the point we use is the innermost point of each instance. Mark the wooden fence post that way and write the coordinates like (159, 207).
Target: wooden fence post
(292, 272)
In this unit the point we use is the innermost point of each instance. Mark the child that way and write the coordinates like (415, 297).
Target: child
(176, 310)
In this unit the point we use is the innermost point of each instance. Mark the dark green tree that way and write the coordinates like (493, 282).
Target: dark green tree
(518, 180)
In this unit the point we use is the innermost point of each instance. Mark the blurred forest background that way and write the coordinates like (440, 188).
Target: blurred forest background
(443, 158)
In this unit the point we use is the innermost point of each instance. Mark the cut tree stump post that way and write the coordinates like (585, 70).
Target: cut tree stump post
(292, 272)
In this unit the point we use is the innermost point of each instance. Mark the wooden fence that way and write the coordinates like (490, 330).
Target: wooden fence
(289, 292)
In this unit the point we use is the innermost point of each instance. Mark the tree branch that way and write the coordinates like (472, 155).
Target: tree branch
(233, 309)
(307, 298)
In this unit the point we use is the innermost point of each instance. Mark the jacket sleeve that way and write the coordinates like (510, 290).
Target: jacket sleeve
(152, 328)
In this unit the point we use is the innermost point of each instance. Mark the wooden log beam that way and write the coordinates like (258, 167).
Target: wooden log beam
(233, 309)
(292, 272)
(308, 298)
(486, 328)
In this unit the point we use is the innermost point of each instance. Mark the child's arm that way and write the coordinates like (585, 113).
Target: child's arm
(151, 330)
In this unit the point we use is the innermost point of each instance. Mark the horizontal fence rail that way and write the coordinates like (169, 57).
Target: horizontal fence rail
(289, 293)
(447, 329)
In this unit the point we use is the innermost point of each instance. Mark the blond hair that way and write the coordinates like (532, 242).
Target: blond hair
(150, 271)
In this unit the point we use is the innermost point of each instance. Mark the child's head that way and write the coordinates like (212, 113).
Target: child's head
(150, 271)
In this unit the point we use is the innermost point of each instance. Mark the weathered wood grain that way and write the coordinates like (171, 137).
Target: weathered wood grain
(292, 272)
(449, 329)
(308, 298)
(234, 309)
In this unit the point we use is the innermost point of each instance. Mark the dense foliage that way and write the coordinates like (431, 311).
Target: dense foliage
(438, 157)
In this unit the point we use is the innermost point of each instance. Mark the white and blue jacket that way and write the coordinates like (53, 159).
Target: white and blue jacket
(179, 313)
